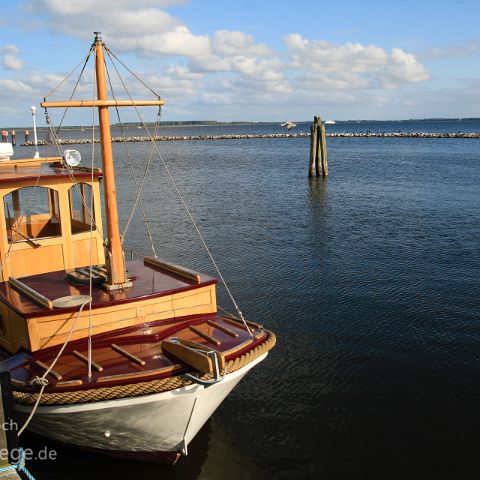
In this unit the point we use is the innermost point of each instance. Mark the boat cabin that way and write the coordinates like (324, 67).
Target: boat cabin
(48, 223)
(51, 243)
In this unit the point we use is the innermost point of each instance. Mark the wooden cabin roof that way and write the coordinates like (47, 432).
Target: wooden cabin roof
(29, 170)
(147, 280)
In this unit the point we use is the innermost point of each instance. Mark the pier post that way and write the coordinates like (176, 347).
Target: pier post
(323, 142)
(313, 151)
(318, 149)
(14, 141)
(27, 134)
(317, 122)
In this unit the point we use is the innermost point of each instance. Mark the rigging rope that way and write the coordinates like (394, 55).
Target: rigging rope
(71, 174)
(111, 54)
(147, 166)
(85, 61)
(180, 195)
(167, 170)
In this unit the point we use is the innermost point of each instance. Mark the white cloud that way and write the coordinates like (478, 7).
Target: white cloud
(9, 87)
(229, 67)
(74, 8)
(142, 28)
(470, 49)
(229, 43)
(11, 62)
(352, 65)
(12, 49)
(403, 68)
(10, 57)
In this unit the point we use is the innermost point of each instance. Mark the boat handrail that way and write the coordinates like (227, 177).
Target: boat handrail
(172, 268)
(30, 293)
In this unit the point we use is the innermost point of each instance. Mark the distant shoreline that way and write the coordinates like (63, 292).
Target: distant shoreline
(214, 123)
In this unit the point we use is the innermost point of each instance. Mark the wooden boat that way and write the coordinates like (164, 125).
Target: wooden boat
(126, 358)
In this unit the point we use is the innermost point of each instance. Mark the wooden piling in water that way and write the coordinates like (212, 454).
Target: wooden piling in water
(324, 150)
(313, 151)
(317, 121)
(318, 149)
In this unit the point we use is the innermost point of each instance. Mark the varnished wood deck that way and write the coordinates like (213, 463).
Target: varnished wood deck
(133, 354)
(148, 282)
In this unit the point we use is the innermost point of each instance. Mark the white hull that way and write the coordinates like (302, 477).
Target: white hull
(163, 422)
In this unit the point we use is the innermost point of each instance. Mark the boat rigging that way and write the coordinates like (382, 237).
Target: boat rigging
(122, 357)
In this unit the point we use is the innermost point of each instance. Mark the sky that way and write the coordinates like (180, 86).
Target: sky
(248, 60)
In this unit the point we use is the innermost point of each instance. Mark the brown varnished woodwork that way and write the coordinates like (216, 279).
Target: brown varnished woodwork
(30, 293)
(172, 268)
(139, 375)
(20, 175)
(30, 261)
(205, 348)
(14, 332)
(130, 356)
(102, 103)
(45, 367)
(223, 329)
(50, 252)
(69, 383)
(198, 360)
(84, 359)
(154, 296)
(206, 336)
(139, 342)
(147, 283)
(86, 250)
(251, 324)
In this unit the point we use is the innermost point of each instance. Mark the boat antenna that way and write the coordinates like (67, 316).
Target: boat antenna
(33, 109)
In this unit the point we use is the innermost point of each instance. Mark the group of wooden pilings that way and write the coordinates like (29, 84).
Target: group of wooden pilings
(5, 136)
(318, 150)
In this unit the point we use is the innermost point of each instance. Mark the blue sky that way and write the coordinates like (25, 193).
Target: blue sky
(253, 60)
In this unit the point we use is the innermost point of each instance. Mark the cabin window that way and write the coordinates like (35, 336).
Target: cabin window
(80, 207)
(32, 213)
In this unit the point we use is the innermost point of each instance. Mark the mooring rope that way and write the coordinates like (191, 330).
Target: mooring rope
(20, 466)
(43, 381)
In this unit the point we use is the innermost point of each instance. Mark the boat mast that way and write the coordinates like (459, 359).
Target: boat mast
(117, 277)
(115, 256)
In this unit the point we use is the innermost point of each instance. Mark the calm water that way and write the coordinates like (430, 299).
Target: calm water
(369, 278)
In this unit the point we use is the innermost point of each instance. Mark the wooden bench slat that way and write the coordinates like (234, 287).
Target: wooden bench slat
(128, 355)
(223, 329)
(206, 336)
(84, 359)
